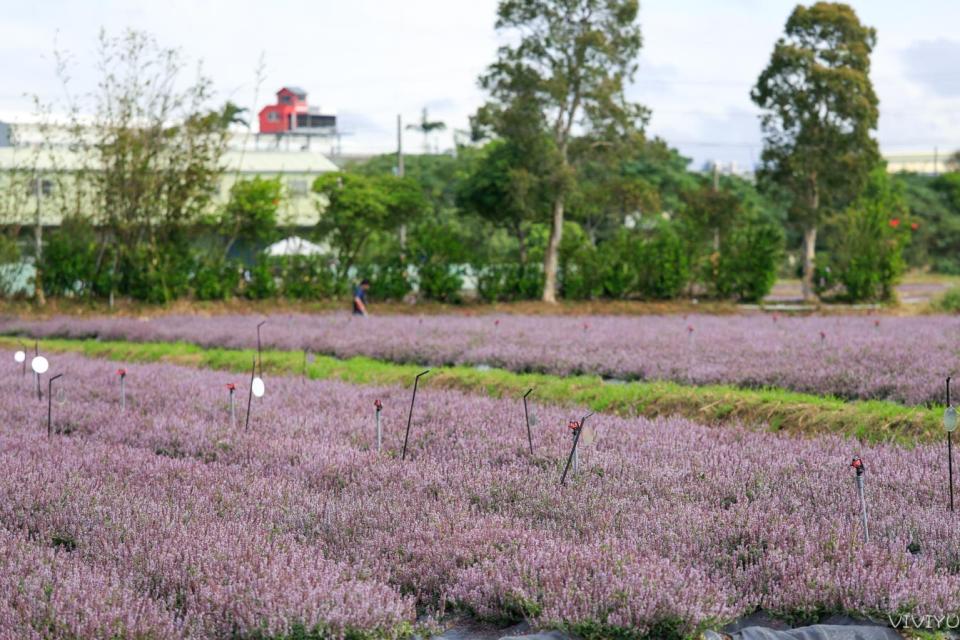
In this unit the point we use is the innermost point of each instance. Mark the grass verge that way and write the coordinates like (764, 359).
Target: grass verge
(776, 409)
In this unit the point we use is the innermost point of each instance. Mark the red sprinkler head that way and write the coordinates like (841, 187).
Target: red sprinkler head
(231, 386)
(121, 372)
(378, 404)
(857, 464)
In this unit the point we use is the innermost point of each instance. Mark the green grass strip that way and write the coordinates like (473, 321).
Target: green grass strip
(776, 409)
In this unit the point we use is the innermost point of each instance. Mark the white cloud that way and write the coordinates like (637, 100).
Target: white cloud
(372, 59)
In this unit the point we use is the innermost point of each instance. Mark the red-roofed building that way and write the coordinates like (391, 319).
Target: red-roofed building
(292, 114)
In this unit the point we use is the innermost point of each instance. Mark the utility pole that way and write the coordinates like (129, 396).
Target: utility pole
(403, 227)
(716, 188)
(38, 249)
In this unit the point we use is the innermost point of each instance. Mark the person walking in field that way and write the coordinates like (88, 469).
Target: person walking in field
(360, 298)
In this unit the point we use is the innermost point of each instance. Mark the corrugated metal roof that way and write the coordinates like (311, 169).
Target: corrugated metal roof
(250, 162)
(299, 91)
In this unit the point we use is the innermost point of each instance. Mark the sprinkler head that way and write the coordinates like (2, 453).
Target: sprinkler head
(121, 372)
(378, 405)
(231, 386)
(573, 426)
(857, 464)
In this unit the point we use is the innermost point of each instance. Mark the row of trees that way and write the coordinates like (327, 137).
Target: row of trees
(560, 192)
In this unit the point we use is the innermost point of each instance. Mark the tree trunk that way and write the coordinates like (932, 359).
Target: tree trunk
(809, 262)
(810, 241)
(38, 294)
(550, 260)
(522, 244)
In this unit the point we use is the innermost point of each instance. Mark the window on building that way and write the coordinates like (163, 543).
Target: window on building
(45, 187)
(285, 100)
(273, 116)
(298, 187)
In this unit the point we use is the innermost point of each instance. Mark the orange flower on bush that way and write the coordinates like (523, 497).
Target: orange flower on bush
(895, 222)
(914, 225)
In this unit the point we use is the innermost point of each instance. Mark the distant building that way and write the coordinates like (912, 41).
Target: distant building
(51, 166)
(292, 114)
(930, 162)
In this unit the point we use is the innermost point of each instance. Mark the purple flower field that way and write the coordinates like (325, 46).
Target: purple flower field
(164, 521)
(861, 357)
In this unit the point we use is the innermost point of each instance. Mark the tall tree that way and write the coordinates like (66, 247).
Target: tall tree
(355, 207)
(819, 114)
(571, 59)
(426, 126)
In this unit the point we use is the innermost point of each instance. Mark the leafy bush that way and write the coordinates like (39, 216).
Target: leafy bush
(749, 257)
(388, 280)
(868, 239)
(261, 284)
(618, 268)
(440, 282)
(69, 262)
(438, 250)
(501, 282)
(215, 279)
(663, 269)
(307, 277)
(156, 274)
(949, 302)
(580, 274)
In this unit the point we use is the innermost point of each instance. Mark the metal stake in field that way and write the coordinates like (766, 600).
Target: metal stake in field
(39, 364)
(573, 459)
(50, 404)
(259, 359)
(21, 357)
(950, 424)
(858, 465)
(233, 405)
(413, 399)
(36, 376)
(123, 388)
(526, 417)
(253, 376)
(379, 408)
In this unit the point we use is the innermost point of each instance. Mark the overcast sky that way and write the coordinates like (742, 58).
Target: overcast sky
(372, 59)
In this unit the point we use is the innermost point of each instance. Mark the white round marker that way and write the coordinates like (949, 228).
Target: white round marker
(950, 419)
(256, 385)
(19, 356)
(39, 364)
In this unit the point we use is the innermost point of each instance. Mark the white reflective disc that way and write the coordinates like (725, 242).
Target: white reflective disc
(19, 356)
(950, 419)
(257, 386)
(588, 435)
(39, 364)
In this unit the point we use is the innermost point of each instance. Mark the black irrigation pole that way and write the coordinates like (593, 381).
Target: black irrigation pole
(526, 416)
(24, 363)
(413, 399)
(577, 430)
(857, 464)
(259, 359)
(950, 450)
(36, 376)
(50, 403)
(253, 374)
